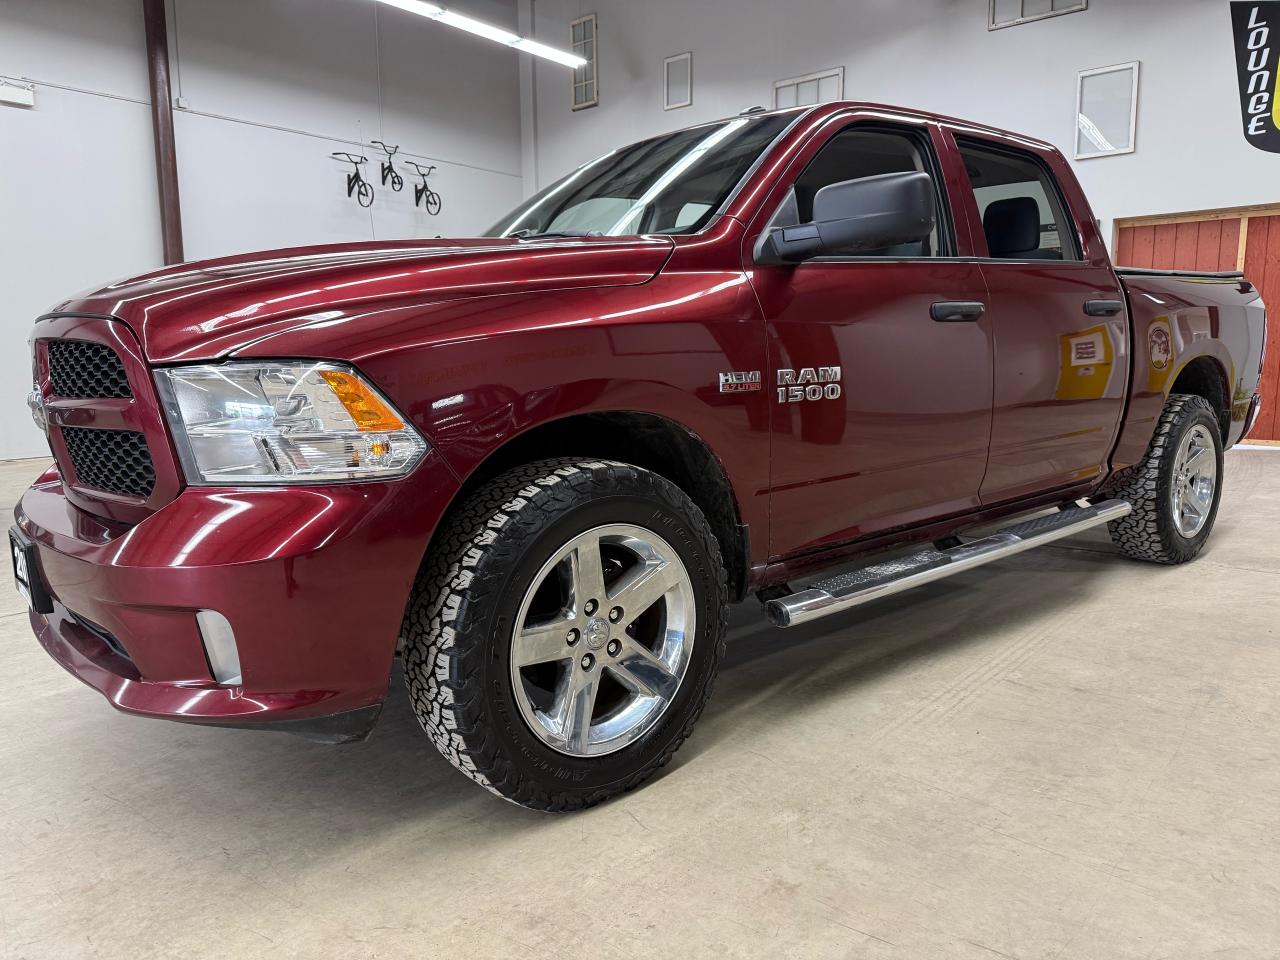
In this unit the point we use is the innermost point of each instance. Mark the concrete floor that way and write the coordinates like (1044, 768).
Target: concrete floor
(1068, 755)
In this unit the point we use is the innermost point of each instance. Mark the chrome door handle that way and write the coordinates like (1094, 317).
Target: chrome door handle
(957, 311)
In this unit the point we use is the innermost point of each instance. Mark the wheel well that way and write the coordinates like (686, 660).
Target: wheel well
(1204, 377)
(645, 440)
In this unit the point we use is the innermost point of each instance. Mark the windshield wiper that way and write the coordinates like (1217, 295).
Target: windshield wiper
(526, 233)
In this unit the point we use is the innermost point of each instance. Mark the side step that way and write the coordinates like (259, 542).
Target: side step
(870, 583)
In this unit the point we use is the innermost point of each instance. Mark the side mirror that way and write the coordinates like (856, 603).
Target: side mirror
(869, 213)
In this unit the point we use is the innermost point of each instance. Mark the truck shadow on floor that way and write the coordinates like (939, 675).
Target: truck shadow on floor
(396, 780)
(397, 775)
(770, 671)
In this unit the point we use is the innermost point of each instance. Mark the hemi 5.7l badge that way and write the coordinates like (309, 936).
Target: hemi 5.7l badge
(740, 381)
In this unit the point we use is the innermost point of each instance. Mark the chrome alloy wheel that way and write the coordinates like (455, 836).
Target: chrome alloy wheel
(1195, 478)
(603, 640)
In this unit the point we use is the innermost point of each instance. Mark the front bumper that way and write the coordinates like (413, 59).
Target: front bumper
(313, 581)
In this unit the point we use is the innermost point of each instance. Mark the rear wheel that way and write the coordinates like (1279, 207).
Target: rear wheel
(1176, 489)
(563, 637)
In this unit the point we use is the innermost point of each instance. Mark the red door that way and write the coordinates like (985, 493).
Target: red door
(1215, 244)
(881, 415)
(1057, 320)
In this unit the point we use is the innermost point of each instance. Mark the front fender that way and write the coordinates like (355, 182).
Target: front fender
(475, 374)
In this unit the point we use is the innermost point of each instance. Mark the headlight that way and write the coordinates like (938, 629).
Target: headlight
(238, 423)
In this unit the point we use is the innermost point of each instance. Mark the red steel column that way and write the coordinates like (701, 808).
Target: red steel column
(156, 20)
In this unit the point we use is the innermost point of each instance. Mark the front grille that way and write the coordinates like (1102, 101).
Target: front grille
(81, 369)
(116, 461)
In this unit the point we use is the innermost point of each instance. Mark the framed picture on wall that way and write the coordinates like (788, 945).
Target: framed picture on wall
(1107, 111)
(677, 81)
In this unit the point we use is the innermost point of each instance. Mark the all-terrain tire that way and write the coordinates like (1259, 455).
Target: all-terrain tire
(1149, 532)
(460, 619)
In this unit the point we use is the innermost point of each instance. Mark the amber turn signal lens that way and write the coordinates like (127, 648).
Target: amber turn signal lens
(369, 412)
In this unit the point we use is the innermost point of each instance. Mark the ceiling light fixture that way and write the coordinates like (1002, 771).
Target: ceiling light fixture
(489, 31)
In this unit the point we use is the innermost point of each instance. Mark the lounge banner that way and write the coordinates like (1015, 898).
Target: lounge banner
(1256, 25)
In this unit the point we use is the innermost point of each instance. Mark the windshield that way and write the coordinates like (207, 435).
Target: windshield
(669, 184)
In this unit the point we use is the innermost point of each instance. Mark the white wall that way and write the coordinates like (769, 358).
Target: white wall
(272, 87)
(936, 55)
(77, 174)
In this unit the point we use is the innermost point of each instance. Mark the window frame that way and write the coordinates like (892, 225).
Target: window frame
(667, 103)
(1080, 7)
(593, 60)
(1055, 191)
(923, 140)
(1136, 67)
(819, 75)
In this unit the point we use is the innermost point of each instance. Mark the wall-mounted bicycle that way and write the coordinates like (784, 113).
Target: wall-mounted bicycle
(356, 183)
(422, 193)
(388, 168)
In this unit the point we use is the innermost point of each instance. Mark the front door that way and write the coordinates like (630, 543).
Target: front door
(880, 413)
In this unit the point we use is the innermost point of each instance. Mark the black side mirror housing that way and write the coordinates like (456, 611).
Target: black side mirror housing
(869, 213)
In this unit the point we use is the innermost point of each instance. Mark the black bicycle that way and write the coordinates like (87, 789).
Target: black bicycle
(388, 168)
(356, 183)
(422, 193)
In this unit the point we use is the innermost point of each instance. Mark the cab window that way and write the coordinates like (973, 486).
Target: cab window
(1023, 216)
(850, 155)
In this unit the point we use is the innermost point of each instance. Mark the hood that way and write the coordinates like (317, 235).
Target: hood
(208, 309)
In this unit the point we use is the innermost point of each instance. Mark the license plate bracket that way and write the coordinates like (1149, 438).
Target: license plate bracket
(26, 573)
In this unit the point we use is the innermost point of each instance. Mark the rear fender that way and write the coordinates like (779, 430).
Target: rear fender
(1177, 321)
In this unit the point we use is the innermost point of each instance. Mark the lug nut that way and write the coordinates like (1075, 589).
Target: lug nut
(590, 607)
(571, 637)
(615, 614)
(588, 661)
(614, 648)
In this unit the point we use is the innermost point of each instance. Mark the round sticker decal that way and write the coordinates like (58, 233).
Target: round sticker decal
(1161, 344)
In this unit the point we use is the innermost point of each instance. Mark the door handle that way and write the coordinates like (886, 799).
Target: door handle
(957, 311)
(1103, 308)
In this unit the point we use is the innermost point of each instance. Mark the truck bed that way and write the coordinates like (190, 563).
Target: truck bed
(1183, 320)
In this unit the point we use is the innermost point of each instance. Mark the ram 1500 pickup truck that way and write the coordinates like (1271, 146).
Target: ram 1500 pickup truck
(798, 354)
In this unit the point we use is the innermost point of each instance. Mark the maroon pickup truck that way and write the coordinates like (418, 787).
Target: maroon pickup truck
(795, 354)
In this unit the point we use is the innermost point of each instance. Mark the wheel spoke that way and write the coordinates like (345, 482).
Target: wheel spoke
(541, 643)
(1189, 505)
(1202, 493)
(1194, 457)
(575, 702)
(644, 586)
(642, 672)
(588, 572)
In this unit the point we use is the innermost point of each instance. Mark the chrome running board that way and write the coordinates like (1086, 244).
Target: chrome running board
(925, 566)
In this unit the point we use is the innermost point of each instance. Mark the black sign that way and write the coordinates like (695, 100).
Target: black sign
(1256, 24)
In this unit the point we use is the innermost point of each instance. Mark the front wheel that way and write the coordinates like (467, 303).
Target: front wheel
(1176, 488)
(565, 632)
(364, 194)
(433, 204)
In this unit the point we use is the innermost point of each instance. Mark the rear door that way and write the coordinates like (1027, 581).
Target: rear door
(880, 413)
(1058, 320)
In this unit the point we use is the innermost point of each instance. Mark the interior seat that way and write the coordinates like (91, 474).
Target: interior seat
(1012, 227)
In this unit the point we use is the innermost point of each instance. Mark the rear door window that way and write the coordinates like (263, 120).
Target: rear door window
(1023, 216)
